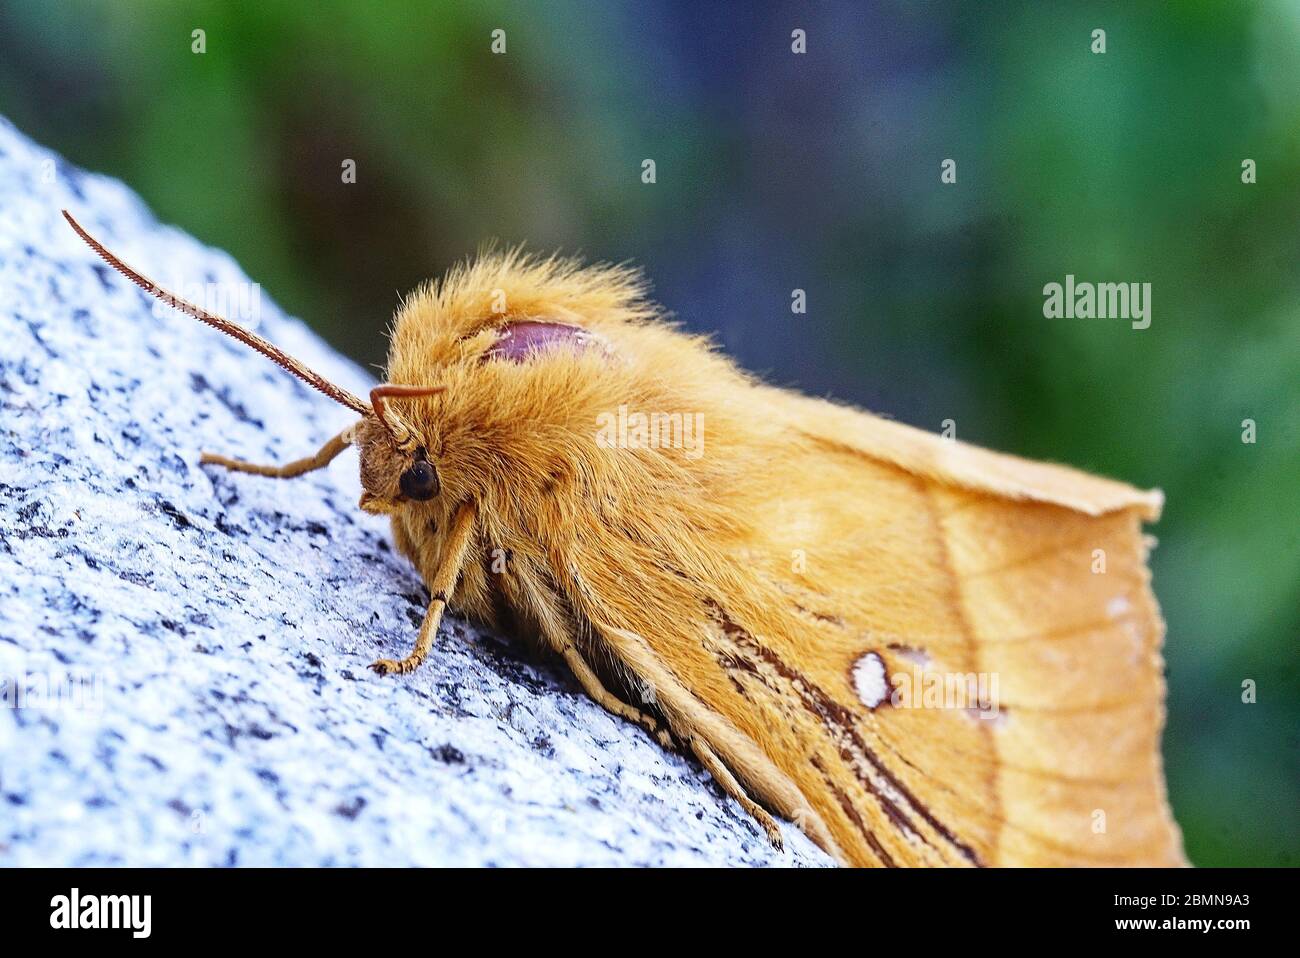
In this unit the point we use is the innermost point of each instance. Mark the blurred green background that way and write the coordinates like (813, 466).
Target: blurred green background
(819, 171)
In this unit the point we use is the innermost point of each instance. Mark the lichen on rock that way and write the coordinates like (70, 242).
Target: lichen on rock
(184, 651)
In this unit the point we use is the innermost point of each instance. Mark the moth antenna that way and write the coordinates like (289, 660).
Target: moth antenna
(245, 336)
(397, 431)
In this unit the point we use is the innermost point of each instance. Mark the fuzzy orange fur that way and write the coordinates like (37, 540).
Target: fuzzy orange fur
(682, 577)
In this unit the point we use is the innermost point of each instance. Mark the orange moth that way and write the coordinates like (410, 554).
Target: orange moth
(917, 651)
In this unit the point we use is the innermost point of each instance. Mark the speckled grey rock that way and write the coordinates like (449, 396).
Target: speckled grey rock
(184, 651)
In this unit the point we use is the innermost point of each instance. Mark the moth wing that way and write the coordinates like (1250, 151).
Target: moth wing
(961, 465)
(923, 652)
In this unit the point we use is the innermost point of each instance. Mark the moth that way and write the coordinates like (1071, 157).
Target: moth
(917, 651)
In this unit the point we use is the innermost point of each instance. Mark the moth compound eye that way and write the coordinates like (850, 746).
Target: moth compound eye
(420, 482)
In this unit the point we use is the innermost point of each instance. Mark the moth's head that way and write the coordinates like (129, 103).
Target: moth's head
(395, 468)
(396, 465)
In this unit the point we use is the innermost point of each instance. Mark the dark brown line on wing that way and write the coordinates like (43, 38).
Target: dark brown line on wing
(828, 713)
(825, 617)
(853, 816)
(819, 705)
(832, 713)
(732, 663)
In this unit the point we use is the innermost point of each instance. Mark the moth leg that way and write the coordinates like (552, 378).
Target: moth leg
(722, 775)
(444, 581)
(596, 690)
(320, 460)
(423, 644)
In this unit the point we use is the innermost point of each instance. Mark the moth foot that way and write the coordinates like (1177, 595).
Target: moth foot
(391, 667)
(771, 827)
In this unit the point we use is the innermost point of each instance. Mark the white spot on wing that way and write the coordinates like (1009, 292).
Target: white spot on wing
(870, 680)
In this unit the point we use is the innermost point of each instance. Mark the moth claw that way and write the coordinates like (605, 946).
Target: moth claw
(385, 667)
(774, 836)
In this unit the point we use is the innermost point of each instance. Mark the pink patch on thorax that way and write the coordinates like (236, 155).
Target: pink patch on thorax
(519, 340)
